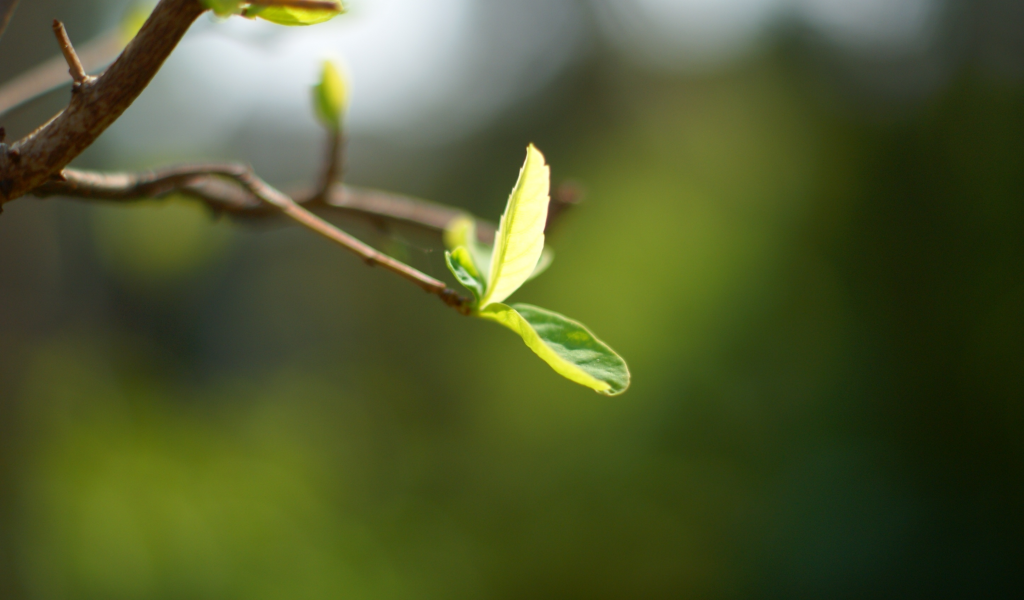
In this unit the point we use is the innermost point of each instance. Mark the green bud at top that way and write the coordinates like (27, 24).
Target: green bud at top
(330, 97)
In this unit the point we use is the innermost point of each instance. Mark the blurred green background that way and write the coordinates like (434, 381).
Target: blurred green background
(808, 248)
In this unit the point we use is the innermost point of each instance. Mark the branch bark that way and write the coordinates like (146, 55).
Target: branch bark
(96, 103)
(250, 195)
(36, 163)
(333, 166)
(75, 68)
(204, 183)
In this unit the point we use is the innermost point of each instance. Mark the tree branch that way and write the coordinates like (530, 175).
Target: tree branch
(75, 68)
(251, 195)
(202, 182)
(333, 166)
(36, 163)
(371, 256)
(96, 104)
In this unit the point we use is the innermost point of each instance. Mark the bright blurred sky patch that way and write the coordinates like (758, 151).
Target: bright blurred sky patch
(419, 71)
(670, 33)
(430, 72)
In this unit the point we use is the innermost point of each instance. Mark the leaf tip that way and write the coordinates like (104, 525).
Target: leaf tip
(567, 346)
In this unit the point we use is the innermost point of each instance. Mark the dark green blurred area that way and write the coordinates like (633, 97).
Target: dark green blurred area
(821, 300)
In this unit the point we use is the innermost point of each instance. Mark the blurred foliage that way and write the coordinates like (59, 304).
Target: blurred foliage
(157, 241)
(822, 307)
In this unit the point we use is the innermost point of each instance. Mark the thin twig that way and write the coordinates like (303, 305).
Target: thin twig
(75, 68)
(37, 162)
(204, 182)
(249, 196)
(370, 255)
(334, 165)
(200, 181)
(51, 74)
(197, 180)
(379, 205)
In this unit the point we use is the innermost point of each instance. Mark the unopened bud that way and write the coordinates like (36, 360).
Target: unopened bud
(330, 97)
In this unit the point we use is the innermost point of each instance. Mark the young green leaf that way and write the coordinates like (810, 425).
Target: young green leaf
(330, 97)
(520, 239)
(462, 232)
(519, 255)
(460, 263)
(223, 8)
(292, 16)
(567, 346)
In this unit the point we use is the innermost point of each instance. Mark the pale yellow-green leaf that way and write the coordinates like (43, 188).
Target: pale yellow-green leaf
(330, 96)
(520, 239)
(461, 232)
(223, 8)
(566, 345)
(460, 263)
(291, 16)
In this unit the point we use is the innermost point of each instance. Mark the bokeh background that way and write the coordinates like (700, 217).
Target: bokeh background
(803, 229)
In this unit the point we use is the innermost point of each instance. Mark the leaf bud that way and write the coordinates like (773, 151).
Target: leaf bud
(330, 97)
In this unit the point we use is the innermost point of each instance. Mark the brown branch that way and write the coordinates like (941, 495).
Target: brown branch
(36, 163)
(207, 182)
(75, 68)
(333, 167)
(204, 183)
(380, 206)
(96, 104)
(371, 256)
(234, 189)
(200, 181)
(51, 74)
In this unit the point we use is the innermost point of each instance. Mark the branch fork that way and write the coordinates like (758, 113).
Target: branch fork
(37, 163)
